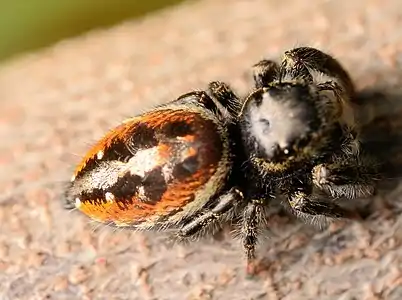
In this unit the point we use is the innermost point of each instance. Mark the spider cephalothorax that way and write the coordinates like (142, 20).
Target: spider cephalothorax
(299, 132)
(299, 137)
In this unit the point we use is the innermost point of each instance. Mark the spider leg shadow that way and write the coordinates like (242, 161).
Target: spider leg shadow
(381, 137)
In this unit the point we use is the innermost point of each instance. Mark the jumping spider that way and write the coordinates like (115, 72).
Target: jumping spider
(208, 156)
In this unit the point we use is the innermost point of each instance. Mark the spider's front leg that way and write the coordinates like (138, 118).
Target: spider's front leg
(351, 178)
(315, 65)
(304, 206)
(264, 72)
(209, 218)
(307, 207)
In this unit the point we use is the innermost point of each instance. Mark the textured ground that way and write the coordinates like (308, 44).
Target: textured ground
(57, 101)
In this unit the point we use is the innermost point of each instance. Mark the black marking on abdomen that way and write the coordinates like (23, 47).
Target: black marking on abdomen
(186, 168)
(154, 186)
(126, 186)
(176, 129)
(95, 196)
(143, 137)
(116, 151)
(123, 148)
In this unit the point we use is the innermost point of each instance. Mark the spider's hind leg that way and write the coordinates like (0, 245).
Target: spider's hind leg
(208, 219)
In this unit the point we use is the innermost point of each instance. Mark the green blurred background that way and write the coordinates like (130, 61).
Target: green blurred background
(27, 25)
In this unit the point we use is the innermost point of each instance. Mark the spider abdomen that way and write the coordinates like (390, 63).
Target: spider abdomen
(153, 169)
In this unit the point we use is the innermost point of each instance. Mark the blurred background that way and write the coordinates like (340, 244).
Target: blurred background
(27, 25)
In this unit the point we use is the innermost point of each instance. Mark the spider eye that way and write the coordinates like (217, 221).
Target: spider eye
(265, 124)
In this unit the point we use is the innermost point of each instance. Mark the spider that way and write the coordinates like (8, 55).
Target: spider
(208, 156)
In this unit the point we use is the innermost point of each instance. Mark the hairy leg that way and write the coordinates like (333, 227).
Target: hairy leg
(264, 72)
(252, 218)
(311, 207)
(308, 62)
(303, 205)
(209, 218)
(225, 96)
(218, 98)
(350, 178)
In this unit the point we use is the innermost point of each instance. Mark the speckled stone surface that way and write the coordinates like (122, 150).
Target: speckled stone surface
(56, 102)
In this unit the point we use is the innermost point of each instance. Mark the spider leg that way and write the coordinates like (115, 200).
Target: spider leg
(225, 204)
(252, 218)
(219, 99)
(351, 178)
(225, 96)
(264, 72)
(311, 63)
(306, 206)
